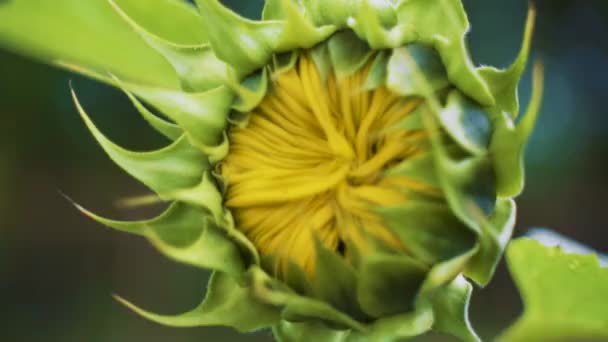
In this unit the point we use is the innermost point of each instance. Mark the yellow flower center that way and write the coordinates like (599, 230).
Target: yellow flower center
(310, 166)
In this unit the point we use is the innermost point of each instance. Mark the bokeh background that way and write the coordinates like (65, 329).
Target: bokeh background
(58, 269)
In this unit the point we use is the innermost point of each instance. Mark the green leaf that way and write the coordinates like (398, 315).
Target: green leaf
(451, 308)
(564, 294)
(226, 303)
(91, 34)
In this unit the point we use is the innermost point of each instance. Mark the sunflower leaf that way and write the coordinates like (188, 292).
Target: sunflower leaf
(564, 294)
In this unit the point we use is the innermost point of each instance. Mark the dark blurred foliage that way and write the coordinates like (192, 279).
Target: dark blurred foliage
(58, 269)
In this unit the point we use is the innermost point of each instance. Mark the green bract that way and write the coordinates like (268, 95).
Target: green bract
(205, 71)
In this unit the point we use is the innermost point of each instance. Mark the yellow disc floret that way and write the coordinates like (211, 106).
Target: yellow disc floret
(310, 165)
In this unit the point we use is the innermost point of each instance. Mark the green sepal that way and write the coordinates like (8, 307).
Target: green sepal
(428, 230)
(168, 129)
(378, 72)
(310, 331)
(297, 30)
(284, 62)
(468, 183)
(445, 271)
(184, 28)
(388, 284)
(504, 83)
(239, 119)
(294, 277)
(184, 234)
(391, 329)
(237, 41)
(509, 141)
(334, 12)
(297, 308)
(202, 116)
(347, 52)
(412, 122)
(166, 171)
(196, 65)
(451, 308)
(335, 281)
(399, 327)
(250, 91)
(415, 70)
(213, 249)
(420, 168)
(90, 33)
(444, 24)
(248, 45)
(206, 195)
(496, 233)
(226, 303)
(164, 127)
(249, 252)
(377, 23)
(467, 123)
(320, 56)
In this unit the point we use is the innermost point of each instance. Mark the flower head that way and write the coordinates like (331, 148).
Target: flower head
(340, 165)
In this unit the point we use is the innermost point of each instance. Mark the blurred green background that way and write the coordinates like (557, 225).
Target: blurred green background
(59, 269)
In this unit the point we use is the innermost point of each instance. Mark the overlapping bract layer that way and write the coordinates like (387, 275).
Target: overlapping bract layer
(418, 50)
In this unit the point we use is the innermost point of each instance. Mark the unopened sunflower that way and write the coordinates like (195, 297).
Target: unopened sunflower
(341, 166)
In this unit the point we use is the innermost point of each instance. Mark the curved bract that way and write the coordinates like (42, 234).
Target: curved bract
(342, 166)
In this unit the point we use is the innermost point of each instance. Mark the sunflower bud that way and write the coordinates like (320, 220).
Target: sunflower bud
(341, 166)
